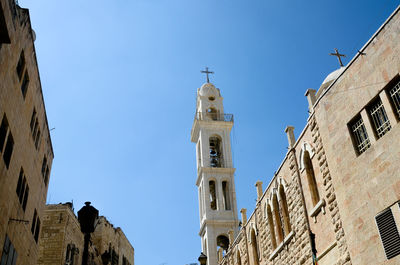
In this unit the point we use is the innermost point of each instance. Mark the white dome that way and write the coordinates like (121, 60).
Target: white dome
(329, 79)
(208, 90)
(332, 76)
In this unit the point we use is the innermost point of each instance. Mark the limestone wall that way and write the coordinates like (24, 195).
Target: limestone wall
(26, 153)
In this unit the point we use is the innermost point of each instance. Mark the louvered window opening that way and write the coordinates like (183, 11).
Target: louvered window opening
(395, 95)
(389, 234)
(379, 118)
(360, 136)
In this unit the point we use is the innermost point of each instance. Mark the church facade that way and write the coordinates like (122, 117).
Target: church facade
(335, 198)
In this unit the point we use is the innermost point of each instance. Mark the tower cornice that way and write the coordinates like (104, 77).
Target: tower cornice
(214, 170)
(199, 123)
(206, 222)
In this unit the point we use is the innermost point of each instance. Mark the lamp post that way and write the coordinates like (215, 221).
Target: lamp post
(202, 259)
(87, 217)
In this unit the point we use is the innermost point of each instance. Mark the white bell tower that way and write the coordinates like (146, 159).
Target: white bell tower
(215, 173)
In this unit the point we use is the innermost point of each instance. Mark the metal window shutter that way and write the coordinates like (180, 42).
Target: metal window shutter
(389, 234)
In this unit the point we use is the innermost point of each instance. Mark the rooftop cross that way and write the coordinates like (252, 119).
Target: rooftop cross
(338, 55)
(207, 72)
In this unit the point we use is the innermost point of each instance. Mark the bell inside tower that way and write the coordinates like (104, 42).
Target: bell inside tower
(215, 152)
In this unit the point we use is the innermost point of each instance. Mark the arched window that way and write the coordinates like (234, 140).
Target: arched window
(222, 243)
(226, 195)
(271, 226)
(312, 183)
(212, 113)
(285, 211)
(278, 221)
(254, 247)
(213, 194)
(215, 152)
(238, 259)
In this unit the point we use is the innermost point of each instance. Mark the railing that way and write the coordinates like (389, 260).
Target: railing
(211, 116)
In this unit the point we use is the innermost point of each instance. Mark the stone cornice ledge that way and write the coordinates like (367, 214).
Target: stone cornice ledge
(283, 243)
(320, 205)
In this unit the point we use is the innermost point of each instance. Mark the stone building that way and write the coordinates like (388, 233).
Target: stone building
(25, 145)
(112, 243)
(61, 240)
(335, 198)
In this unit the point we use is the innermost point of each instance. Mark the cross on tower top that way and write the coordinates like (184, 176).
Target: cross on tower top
(338, 55)
(207, 72)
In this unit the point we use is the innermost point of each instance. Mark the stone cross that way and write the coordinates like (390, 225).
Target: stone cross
(207, 72)
(338, 55)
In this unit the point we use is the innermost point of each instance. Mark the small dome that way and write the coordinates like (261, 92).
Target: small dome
(208, 90)
(329, 79)
(332, 76)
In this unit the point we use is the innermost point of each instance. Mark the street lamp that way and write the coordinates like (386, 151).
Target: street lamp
(203, 259)
(87, 217)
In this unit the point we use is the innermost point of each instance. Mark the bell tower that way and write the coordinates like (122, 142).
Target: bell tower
(215, 173)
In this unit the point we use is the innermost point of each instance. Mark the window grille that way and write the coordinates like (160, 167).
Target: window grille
(389, 234)
(9, 255)
(380, 120)
(360, 136)
(395, 95)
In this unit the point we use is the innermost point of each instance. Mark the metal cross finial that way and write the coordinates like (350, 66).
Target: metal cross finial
(338, 55)
(207, 72)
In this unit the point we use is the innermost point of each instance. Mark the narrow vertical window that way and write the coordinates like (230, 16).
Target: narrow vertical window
(379, 118)
(37, 141)
(254, 247)
(312, 183)
(3, 132)
(285, 211)
(278, 221)
(389, 234)
(395, 96)
(21, 65)
(33, 118)
(35, 228)
(226, 195)
(46, 177)
(25, 200)
(8, 150)
(35, 129)
(213, 195)
(271, 226)
(25, 84)
(44, 164)
(359, 135)
(22, 189)
(216, 159)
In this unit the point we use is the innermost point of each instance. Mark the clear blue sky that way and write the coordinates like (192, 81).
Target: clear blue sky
(119, 80)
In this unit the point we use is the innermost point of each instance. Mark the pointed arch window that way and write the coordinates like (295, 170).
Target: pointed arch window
(285, 211)
(278, 221)
(226, 195)
(254, 247)
(312, 183)
(222, 243)
(213, 194)
(212, 113)
(238, 258)
(271, 226)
